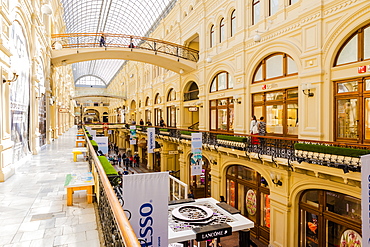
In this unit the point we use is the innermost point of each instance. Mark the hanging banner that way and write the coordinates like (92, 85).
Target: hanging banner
(146, 203)
(196, 149)
(93, 134)
(365, 194)
(133, 136)
(102, 142)
(151, 140)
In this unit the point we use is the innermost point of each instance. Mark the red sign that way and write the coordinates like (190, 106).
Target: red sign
(264, 87)
(362, 69)
(105, 126)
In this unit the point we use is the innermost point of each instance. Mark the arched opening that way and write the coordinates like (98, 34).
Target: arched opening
(200, 185)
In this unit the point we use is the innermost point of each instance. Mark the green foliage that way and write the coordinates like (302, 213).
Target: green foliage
(232, 138)
(95, 145)
(185, 132)
(107, 166)
(349, 152)
(164, 130)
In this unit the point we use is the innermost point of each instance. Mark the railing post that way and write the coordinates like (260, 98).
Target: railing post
(155, 47)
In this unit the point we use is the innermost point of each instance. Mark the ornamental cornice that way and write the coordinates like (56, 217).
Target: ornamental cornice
(339, 7)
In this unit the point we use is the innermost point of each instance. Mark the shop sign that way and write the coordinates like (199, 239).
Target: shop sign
(212, 231)
(77, 113)
(193, 108)
(63, 110)
(173, 152)
(362, 69)
(157, 149)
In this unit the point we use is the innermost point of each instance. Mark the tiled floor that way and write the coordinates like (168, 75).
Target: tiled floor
(33, 210)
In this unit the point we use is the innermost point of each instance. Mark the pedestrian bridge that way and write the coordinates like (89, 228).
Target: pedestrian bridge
(78, 47)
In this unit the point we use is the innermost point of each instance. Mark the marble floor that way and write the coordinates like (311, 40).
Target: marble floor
(33, 207)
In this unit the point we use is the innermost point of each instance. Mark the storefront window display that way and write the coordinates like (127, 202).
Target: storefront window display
(249, 192)
(20, 94)
(201, 184)
(330, 219)
(280, 109)
(222, 114)
(352, 105)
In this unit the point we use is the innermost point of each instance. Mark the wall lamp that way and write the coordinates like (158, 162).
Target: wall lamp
(306, 89)
(199, 104)
(276, 179)
(15, 77)
(236, 99)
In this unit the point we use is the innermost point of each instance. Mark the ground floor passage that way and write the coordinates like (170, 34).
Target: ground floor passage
(33, 205)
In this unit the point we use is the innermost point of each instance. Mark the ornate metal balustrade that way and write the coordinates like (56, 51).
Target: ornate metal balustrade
(115, 226)
(275, 147)
(91, 40)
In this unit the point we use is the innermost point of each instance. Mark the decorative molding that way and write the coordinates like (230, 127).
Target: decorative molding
(339, 6)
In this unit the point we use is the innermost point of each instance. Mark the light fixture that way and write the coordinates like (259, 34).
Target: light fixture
(306, 89)
(15, 77)
(181, 71)
(236, 99)
(64, 63)
(276, 179)
(257, 37)
(132, 75)
(46, 9)
(58, 46)
(199, 104)
(209, 60)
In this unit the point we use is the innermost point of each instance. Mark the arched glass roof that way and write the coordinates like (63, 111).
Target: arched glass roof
(138, 18)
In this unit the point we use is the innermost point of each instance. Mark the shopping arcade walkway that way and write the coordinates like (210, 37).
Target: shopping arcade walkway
(33, 210)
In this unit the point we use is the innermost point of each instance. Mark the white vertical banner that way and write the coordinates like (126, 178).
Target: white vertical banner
(365, 199)
(133, 136)
(102, 142)
(146, 200)
(93, 133)
(151, 140)
(196, 158)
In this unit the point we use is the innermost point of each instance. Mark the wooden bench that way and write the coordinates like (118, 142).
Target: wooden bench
(79, 181)
(77, 151)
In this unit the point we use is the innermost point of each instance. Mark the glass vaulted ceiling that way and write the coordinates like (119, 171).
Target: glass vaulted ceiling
(136, 17)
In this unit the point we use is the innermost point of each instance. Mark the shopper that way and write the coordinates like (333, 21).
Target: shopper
(254, 130)
(161, 123)
(102, 41)
(262, 129)
(141, 122)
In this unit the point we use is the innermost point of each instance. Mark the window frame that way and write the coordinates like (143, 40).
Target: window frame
(222, 34)
(285, 101)
(284, 66)
(215, 80)
(229, 105)
(212, 36)
(255, 3)
(233, 23)
(360, 47)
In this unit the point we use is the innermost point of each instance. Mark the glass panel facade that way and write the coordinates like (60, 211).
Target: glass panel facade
(367, 43)
(347, 118)
(346, 206)
(348, 86)
(222, 30)
(212, 36)
(256, 11)
(274, 96)
(257, 97)
(311, 197)
(292, 119)
(274, 5)
(233, 23)
(349, 52)
(213, 119)
(367, 84)
(258, 75)
(310, 233)
(222, 81)
(265, 210)
(231, 119)
(274, 67)
(231, 81)
(367, 118)
(222, 119)
(339, 235)
(292, 66)
(274, 119)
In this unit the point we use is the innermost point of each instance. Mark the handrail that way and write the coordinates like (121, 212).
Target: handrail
(88, 40)
(127, 233)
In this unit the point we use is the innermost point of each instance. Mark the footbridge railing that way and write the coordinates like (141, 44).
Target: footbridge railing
(91, 40)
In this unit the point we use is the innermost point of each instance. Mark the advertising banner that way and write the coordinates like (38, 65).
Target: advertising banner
(102, 142)
(146, 203)
(93, 134)
(151, 140)
(365, 199)
(133, 136)
(196, 149)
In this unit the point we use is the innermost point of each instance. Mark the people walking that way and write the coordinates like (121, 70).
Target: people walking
(262, 129)
(161, 123)
(254, 130)
(102, 41)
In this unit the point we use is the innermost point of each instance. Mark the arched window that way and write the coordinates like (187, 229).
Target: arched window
(293, 2)
(256, 11)
(275, 66)
(328, 218)
(233, 24)
(147, 103)
(212, 36)
(157, 99)
(356, 48)
(192, 93)
(171, 95)
(222, 30)
(273, 6)
(249, 192)
(221, 81)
